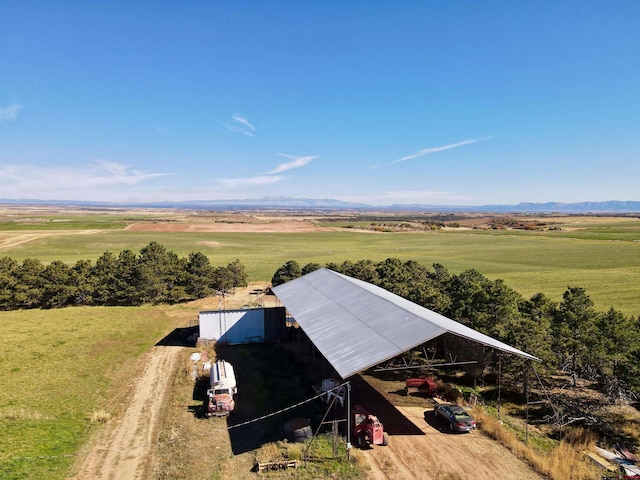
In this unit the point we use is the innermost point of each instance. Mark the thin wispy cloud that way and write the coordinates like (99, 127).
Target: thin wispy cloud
(241, 125)
(443, 148)
(97, 180)
(10, 113)
(112, 173)
(296, 162)
(249, 181)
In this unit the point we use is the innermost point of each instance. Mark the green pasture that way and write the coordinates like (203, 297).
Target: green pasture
(56, 368)
(602, 257)
(49, 226)
(48, 222)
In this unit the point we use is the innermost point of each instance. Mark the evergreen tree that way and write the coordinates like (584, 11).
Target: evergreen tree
(56, 285)
(394, 277)
(364, 270)
(238, 275)
(199, 275)
(153, 267)
(574, 330)
(82, 283)
(29, 285)
(8, 268)
(127, 290)
(223, 280)
(103, 279)
(289, 271)
(533, 333)
(616, 347)
(469, 296)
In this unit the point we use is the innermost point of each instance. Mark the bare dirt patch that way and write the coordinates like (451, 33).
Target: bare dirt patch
(436, 454)
(421, 446)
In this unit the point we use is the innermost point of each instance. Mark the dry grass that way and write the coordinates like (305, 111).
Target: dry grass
(280, 451)
(99, 416)
(566, 461)
(22, 414)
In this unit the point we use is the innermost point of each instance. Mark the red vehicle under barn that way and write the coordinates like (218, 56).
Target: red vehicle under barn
(367, 429)
(425, 385)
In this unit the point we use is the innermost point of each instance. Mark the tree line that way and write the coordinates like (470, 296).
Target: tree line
(569, 335)
(154, 275)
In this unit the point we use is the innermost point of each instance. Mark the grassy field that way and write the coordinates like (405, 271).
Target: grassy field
(598, 253)
(58, 368)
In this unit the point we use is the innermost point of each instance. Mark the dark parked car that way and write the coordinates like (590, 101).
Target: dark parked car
(457, 417)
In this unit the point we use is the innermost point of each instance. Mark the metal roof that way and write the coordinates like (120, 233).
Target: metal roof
(357, 325)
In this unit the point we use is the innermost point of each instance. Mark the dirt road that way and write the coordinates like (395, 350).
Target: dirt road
(124, 448)
(439, 454)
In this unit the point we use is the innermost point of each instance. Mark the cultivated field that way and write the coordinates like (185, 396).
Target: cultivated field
(532, 254)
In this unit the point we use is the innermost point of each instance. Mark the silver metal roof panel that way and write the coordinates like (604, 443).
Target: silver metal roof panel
(357, 325)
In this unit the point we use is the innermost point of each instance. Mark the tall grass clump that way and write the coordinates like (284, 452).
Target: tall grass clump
(565, 461)
(99, 416)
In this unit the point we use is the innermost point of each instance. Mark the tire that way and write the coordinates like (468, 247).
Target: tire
(385, 439)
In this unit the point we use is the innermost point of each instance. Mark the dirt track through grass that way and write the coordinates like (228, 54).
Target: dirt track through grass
(126, 446)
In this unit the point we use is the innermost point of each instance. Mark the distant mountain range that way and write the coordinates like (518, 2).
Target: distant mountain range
(613, 206)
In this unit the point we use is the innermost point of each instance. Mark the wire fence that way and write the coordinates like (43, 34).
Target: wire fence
(175, 440)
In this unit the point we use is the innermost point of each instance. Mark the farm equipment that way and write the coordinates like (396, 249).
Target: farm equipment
(367, 429)
(424, 385)
(219, 401)
(330, 388)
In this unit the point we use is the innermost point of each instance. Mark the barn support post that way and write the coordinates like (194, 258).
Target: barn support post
(526, 400)
(348, 421)
(499, 381)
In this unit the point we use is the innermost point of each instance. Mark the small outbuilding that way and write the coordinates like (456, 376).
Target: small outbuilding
(255, 325)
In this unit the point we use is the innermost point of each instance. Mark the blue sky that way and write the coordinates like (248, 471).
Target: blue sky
(382, 102)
